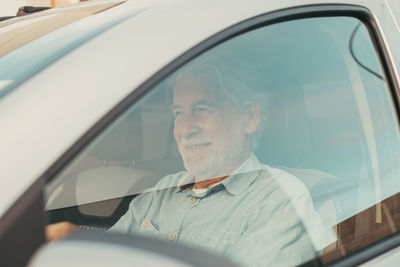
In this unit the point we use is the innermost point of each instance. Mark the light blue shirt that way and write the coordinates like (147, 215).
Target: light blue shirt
(259, 216)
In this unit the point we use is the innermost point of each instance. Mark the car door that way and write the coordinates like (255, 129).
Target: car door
(320, 127)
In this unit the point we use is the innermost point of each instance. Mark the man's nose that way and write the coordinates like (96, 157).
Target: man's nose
(187, 126)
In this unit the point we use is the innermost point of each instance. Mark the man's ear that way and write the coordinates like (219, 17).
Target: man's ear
(252, 117)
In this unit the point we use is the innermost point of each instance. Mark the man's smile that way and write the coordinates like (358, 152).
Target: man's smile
(197, 146)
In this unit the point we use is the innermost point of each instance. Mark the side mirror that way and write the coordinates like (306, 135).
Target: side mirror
(100, 249)
(27, 10)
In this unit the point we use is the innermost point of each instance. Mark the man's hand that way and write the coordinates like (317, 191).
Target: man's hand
(59, 230)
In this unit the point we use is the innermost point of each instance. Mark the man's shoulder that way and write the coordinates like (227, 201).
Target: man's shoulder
(280, 177)
(275, 179)
(270, 179)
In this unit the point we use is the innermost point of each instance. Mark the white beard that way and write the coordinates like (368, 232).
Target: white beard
(211, 164)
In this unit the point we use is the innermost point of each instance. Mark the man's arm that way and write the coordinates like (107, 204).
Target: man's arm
(57, 231)
(128, 223)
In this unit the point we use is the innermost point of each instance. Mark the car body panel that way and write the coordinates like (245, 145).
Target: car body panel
(390, 258)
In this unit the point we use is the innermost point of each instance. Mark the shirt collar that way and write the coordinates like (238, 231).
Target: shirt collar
(243, 176)
(236, 182)
(186, 182)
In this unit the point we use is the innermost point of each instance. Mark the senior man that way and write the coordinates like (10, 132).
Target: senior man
(225, 201)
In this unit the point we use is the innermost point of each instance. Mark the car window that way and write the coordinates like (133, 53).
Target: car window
(275, 147)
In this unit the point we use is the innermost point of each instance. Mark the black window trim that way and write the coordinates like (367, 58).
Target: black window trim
(293, 13)
(368, 252)
(21, 231)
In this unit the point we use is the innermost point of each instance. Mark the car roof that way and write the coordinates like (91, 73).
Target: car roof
(46, 113)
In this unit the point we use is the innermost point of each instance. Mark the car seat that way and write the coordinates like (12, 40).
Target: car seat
(118, 148)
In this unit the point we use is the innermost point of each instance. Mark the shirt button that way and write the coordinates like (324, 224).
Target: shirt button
(144, 224)
(171, 236)
(192, 199)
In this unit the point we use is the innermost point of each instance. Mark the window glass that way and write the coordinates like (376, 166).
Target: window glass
(273, 148)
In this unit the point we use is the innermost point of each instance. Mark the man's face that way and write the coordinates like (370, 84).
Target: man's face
(209, 130)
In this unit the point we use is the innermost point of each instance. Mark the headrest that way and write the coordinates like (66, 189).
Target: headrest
(115, 182)
(123, 141)
(286, 136)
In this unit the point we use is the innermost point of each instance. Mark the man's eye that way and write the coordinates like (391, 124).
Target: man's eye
(177, 113)
(202, 109)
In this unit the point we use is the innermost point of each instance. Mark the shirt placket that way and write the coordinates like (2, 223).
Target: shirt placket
(191, 201)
